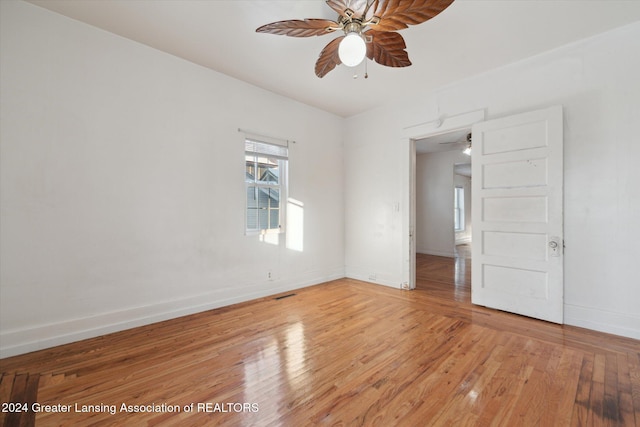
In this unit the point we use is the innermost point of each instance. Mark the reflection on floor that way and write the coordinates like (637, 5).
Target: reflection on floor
(340, 353)
(446, 277)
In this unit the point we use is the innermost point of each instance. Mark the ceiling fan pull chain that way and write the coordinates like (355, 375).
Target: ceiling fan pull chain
(366, 74)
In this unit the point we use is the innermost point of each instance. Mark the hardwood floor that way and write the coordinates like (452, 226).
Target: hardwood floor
(340, 353)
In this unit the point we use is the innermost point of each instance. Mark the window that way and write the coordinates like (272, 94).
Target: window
(266, 186)
(458, 209)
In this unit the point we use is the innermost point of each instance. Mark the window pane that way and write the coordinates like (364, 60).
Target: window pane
(253, 146)
(274, 195)
(274, 218)
(458, 209)
(250, 168)
(268, 170)
(263, 198)
(263, 218)
(251, 197)
(252, 219)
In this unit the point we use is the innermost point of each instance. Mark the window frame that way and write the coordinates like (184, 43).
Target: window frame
(276, 154)
(458, 209)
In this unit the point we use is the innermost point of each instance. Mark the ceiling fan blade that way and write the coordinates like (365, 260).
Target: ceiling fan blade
(399, 14)
(339, 6)
(329, 58)
(387, 48)
(300, 28)
(358, 7)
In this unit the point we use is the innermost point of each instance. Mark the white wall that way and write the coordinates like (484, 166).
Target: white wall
(434, 202)
(596, 81)
(373, 210)
(122, 187)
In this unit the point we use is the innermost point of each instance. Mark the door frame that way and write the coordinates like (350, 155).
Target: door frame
(410, 134)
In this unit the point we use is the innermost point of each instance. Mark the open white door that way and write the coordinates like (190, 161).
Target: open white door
(517, 187)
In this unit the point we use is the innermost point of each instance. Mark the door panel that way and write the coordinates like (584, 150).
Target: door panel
(517, 214)
(515, 281)
(529, 246)
(518, 173)
(521, 137)
(527, 209)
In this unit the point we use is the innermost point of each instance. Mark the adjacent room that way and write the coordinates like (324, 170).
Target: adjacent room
(220, 212)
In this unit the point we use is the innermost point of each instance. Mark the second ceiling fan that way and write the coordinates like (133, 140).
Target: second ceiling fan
(369, 28)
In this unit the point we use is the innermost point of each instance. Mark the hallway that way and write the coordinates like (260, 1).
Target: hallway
(448, 278)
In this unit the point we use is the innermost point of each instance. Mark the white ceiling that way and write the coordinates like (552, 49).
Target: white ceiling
(454, 140)
(468, 38)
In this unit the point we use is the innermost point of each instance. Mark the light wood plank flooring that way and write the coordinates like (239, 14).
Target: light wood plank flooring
(340, 353)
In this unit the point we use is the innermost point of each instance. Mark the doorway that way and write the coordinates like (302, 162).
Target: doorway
(438, 134)
(443, 212)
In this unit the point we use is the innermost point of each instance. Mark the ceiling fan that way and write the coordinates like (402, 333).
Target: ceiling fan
(466, 140)
(369, 29)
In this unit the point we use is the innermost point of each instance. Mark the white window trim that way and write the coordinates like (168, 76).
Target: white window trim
(282, 186)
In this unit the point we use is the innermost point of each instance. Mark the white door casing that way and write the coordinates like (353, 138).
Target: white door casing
(517, 214)
(442, 125)
(412, 217)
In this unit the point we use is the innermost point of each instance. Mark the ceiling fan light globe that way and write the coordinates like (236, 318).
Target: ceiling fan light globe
(352, 49)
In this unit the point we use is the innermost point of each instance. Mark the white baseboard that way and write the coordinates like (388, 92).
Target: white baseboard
(626, 325)
(20, 341)
(436, 253)
(378, 279)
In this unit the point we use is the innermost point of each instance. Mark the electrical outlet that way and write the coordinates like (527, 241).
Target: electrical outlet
(269, 275)
(372, 276)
